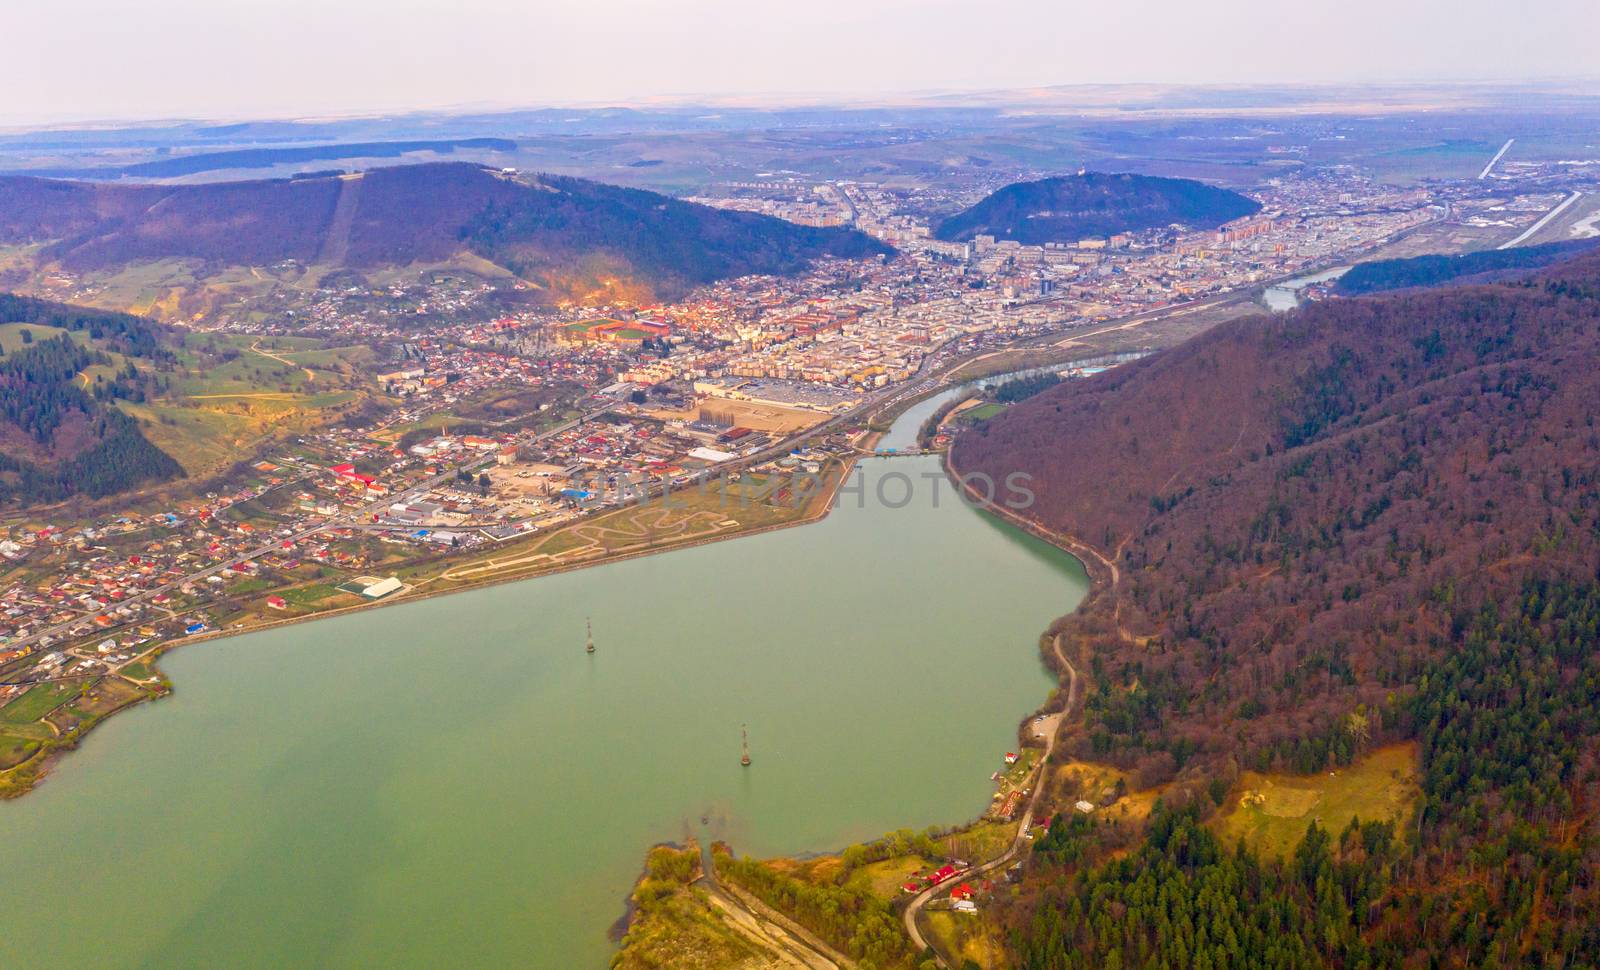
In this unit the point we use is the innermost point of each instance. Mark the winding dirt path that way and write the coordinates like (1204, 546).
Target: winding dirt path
(255, 348)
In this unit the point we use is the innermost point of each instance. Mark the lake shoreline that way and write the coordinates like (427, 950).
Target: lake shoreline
(1102, 579)
(21, 779)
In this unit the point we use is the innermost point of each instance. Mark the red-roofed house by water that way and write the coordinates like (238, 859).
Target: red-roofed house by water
(277, 602)
(940, 875)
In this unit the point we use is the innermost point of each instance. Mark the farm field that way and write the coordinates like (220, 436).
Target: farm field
(39, 701)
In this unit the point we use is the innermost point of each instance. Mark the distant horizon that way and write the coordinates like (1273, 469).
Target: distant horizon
(997, 99)
(76, 61)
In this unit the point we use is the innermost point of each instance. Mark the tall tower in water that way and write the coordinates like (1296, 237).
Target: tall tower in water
(588, 626)
(744, 744)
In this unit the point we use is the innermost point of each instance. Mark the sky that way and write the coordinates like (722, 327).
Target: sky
(77, 60)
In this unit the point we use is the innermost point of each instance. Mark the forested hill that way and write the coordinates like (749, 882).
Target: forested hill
(60, 435)
(1364, 521)
(1487, 266)
(1076, 207)
(563, 233)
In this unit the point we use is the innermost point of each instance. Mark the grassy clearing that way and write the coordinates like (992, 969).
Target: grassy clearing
(15, 750)
(303, 600)
(983, 412)
(108, 695)
(202, 440)
(983, 841)
(11, 335)
(1272, 812)
(310, 595)
(966, 936)
(207, 435)
(39, 701)
(1109, 789)
(693, 514)
(885, 879)
(232, 394)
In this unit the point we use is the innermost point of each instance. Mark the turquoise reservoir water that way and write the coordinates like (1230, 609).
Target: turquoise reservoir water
(454, 782)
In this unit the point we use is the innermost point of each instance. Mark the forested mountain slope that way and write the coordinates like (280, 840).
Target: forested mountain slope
(556, 231)
(1365, 521)
(1483, 266)
(59, 434)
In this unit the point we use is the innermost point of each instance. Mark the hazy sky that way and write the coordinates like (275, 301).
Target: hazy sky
(88, 59)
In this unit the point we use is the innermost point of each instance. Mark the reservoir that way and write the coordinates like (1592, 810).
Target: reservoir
(455, 782)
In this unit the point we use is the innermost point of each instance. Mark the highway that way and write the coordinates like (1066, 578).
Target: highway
(1548, 218)
(1496, 159)
(849, 203)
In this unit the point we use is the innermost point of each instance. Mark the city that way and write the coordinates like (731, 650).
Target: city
(464, 501)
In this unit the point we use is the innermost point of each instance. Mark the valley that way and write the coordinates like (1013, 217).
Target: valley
(871, 447)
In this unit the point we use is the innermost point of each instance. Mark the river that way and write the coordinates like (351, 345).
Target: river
(454, 782)
(1284, 296)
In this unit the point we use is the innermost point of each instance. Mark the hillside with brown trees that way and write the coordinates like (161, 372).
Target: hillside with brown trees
(1365, 521)
(548, 229)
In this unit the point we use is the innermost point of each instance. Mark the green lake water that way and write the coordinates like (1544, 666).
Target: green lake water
(454, 782)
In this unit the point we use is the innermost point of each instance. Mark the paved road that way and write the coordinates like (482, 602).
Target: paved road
(1549, 217)
(1496, 159)
(1018, 844)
